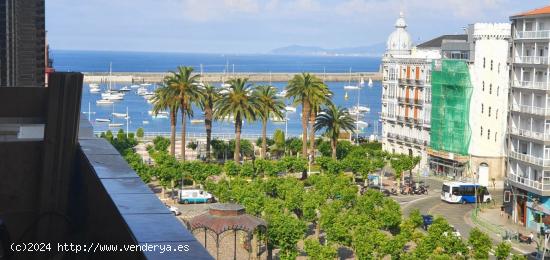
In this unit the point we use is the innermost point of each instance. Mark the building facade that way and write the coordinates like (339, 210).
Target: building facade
(22, 43)
(469, 106)
(528, 170)
(406, 95)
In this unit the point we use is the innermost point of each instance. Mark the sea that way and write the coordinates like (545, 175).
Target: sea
(138, 108)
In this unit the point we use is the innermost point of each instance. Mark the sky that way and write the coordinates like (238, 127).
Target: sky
(258, 26)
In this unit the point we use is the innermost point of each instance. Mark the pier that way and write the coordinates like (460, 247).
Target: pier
(155, 77)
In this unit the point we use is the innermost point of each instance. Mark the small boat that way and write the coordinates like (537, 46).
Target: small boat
(104, 102)
(120, 115)
(159, 116)
(197, 121)
(124, 89)
(282, 93)
(225, 85)
(370, 82)
(95, 90)
(361, 109)
(290, 109)
(158, 113)
(362, 82)
(141, 91)
(361, 123)
(351, 87)
(148, 95)
(114, 97)
(346, 97)
(93, 85)
(145, 84)
(135, 86)
(115, 125)
(108, 94)
(145, 122)
(102, 120)
(150, 101)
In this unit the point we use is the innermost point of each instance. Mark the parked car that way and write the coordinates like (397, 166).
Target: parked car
(194, 196)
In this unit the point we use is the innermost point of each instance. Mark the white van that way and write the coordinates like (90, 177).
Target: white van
(194, 196)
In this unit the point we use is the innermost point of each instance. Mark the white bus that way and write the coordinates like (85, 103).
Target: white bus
(460, 192)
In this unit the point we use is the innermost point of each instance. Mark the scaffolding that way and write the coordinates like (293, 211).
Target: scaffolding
(451, 93)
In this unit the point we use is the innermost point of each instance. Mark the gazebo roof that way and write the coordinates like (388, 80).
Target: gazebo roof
(223, 217)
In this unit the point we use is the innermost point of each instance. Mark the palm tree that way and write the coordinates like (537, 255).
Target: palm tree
(334, 119)
(166, 98)
(268, 105)
(315, 103)
(237, 102)
(186, 85)
(208, 96)
(302, 88)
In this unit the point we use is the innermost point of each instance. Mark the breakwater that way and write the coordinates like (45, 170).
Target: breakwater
(155, 77)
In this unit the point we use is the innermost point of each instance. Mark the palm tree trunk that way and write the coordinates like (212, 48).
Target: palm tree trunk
(264, 138)
(173, 121)
(305, 117)
(333, 146)
(312, 118)
(208, 125)
(183, 130)
(238, 126)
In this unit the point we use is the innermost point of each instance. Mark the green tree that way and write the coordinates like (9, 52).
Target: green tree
(279, 142)
(315, 250)
(480, 244)
(503, 250)
(316, 101)
(333, 120)
(140, 133)
(268, 105)
(109, 135)
(231, 168)
(160, 143)
(237, 102)
(294, 144)
(302, 88)
(185, 83)
(166, 98)
(120, 135)
(192, 145)
(284, 232)
(208, 96)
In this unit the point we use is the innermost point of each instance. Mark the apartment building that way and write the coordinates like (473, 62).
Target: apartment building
(529, 117)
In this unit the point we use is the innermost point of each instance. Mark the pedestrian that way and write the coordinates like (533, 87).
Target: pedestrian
(502, 210)
(530, 239)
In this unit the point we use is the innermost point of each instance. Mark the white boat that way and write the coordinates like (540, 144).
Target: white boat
(349, 87)
(362, 82)
(150, 101)
(141, 91)
(145, 122)
(114, 97)
(361, 109)
(290, 109)
(102, 120)
(135, 86)
(197, 121)
(125, 89)
(93, 85)
(282, 93)
(145, 84)
(95, 90)
(120, 115)
(159, 116)
(370, 82)
(104, 102)
(361, 123)
(111, 94)
(115, 125)
(149, 96)
(159, 113)
(225, 85)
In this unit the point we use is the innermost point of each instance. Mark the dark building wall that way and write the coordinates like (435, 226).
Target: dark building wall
(22, 43)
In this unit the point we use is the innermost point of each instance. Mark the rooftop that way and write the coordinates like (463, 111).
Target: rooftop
(437, 42)
(538, 11)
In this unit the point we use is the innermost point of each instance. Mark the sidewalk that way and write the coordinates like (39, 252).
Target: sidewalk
(490, 221)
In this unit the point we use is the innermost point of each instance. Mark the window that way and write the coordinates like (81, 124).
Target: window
(483, 86)
(491, 65)
(488, 134)
(498, 68)
(498, 90)
(496, 114)
(489, 111)
(495, 137)
(482, 131)
(482, 108)
(490, 89)
(483, 62)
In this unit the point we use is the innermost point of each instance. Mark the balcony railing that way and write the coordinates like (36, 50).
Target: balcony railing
(414, 82)
(408, 139)
(532, 85)
(530, 159)
(533, 34)
(543, 185)
(410, 101)
(531, 110)
(530, 134)
(531, 60)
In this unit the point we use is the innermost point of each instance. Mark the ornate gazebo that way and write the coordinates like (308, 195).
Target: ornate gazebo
(224, 223)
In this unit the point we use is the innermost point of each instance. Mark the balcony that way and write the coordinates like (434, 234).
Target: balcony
(529, 134)
(411, 101)
(531, 60)
(531, 85)
(412, 82)
(541, 187)
(407, 139)
(545, 34)
(529, 159)
(531, 110)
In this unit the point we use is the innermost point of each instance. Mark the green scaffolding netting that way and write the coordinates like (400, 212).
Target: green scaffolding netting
(451, 93)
